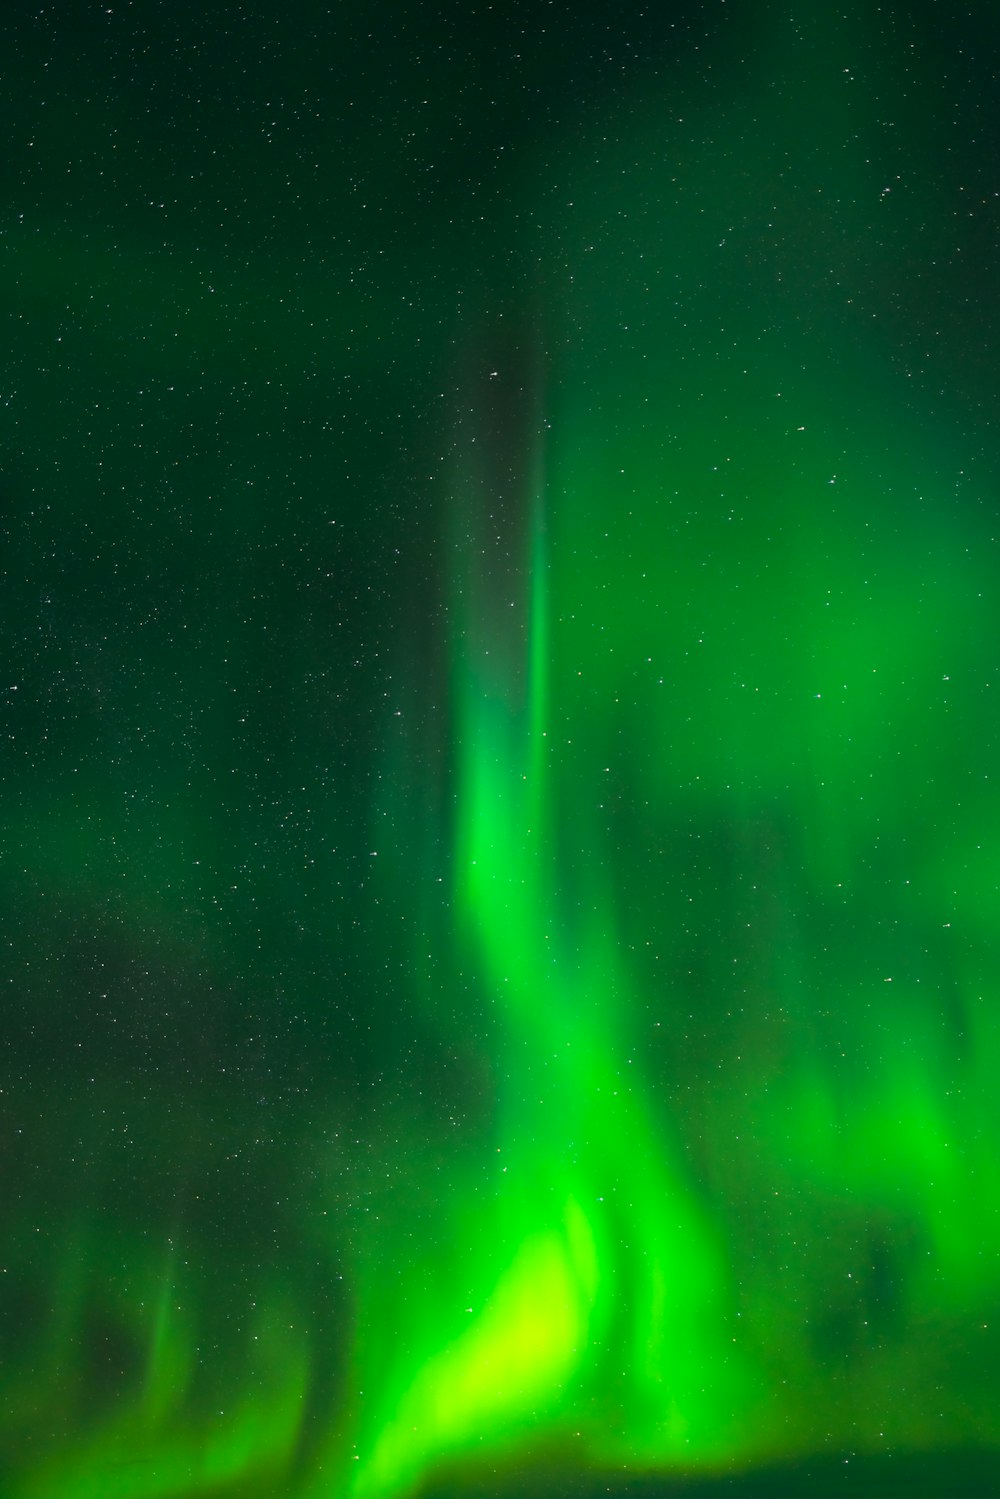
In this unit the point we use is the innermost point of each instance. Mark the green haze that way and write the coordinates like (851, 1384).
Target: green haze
(500, 846)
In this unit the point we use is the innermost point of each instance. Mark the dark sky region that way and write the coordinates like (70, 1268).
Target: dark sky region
(500, 858)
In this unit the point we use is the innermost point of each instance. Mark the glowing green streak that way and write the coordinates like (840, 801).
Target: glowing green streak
(599, 1258)
(523, 1344)
(723, 886)
(539, 650)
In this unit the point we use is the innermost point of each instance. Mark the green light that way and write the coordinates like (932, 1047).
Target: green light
(502, 921)
(511, 1364)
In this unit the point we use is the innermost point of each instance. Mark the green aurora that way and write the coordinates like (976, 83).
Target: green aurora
(500, 829)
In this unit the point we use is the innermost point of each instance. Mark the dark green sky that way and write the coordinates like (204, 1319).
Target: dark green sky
(498, 526)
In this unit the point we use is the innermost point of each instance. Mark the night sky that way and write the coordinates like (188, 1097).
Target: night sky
(500, 550)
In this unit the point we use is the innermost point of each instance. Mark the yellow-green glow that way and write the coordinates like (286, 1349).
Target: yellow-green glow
(634, 1280)
(510, 1365)
(501, 826)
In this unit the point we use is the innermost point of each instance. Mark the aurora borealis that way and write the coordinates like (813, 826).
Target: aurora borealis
(500, 833)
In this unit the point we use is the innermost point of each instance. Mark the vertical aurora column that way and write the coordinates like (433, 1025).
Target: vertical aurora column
(598, 1319)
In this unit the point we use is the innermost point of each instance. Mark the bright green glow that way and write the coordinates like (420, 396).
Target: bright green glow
(633, 1280)
(698, 877)
(516, 1355)
(676, 926)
